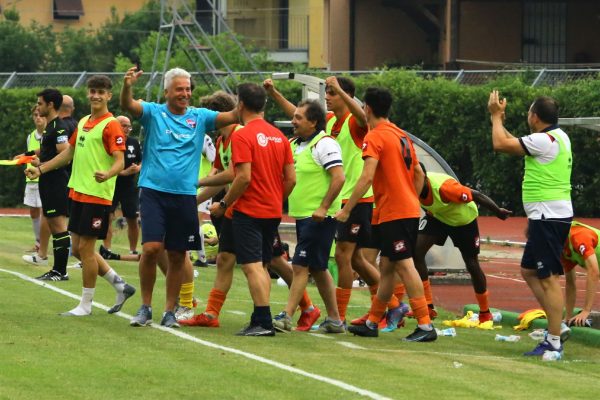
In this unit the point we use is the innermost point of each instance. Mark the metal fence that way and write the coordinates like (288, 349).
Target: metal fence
(534, 77)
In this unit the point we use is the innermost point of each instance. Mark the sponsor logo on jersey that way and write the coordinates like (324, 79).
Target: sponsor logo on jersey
(464, 197)
(131, 148)
(582, 249)
(96, 223)
(191, 122)
(119, 140)
(263, 140)
(191, 239)
(364, 146)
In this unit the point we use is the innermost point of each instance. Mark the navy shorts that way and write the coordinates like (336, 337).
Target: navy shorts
(226, 242)
(545, 241)
(358, 227)
(465, 237)
(89, 219)
(398, 238)
(129, 200)
(169, 218)
(314, 243)
(253, 238)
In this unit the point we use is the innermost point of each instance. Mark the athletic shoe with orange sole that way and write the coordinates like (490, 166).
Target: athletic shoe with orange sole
(432, 314)
(201, 320)
(363, 320)
(485, 317)
(307, 319)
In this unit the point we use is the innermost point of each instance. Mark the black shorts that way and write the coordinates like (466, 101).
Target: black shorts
(465, 237)
(89, 219)
(129, 200)
(545, 241)
(226, 242)
(314, 243)
(253, 238)
(398, 238)
(358, 227)
(54, 194)
(169, 218)
(375, 238)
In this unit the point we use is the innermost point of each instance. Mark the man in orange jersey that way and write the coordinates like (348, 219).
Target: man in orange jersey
(96, 148)
(264, 177)
(391, 166)
(346, 122)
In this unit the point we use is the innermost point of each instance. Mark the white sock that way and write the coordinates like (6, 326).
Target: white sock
(115, 280)
(85, 305)
(427, 327)
(36, 222)
(553, 340)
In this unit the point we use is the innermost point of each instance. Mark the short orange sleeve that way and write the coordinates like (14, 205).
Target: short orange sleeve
(73, 138)
(453, 192)
(584, 241)
(372, 146)
(113, 137)
(357, 132)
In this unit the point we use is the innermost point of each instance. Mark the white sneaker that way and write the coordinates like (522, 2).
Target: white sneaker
(76, 265)
(182, 312)
(35, 259)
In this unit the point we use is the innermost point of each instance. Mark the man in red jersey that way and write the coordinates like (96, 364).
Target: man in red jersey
(391, 166)
(264, 177)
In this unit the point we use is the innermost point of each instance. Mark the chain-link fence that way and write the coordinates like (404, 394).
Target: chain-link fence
(534, 77)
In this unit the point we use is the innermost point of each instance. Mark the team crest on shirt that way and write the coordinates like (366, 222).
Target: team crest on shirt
(191, 122)
(582, 249)
(354, 229)
(364, 146)
(399, 246)
(130, 148)
(477, 241)
(119, 140)
(262, 140)
(96, 223)
(464, 197)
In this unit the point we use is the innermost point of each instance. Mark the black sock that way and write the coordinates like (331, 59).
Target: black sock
(262, 316)
(61, 242)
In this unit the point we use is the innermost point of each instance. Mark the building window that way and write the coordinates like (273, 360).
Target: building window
(544, 32)
(67, 9)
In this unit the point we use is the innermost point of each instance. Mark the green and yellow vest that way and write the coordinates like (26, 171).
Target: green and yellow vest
(453, 214)
(32, 144)
(576, 256)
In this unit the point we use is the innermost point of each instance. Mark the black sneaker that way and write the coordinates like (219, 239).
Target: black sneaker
(201, 264)
(256, 330)
(54, 276)
(107, 254)
(363, 330)
(421, 335)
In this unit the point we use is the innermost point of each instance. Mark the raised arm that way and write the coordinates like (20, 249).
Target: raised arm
(502, 140)
(128, 104)
(287, 107)
(352, 105)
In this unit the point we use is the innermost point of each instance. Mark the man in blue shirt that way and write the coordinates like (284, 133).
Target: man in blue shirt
(174, 135)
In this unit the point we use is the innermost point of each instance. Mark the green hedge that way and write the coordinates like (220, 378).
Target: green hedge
(451, 118)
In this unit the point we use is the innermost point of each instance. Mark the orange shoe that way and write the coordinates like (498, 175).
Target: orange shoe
(363, 320)
(201, 320)
(432, 314)
(485, 317)
(307, 319)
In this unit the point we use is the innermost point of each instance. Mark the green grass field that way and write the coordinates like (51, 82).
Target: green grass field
(46, 356)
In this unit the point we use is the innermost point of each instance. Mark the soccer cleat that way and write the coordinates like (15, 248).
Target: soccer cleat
(107, 254)
(485, 317)
(53, 276)
(128, 291)
(201, 320)
(363, 330)
(307, 319)
(329, 326)
(395, 318)
(256, 330)
(201, 264)
(432, 314)
(169, 320)
(35, 259)
(143, 317)
(183, 313)
(541, 348)
(363, 320)
(421, 335)
(282, 322)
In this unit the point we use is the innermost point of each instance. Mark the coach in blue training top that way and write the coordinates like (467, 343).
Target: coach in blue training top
(174, 134)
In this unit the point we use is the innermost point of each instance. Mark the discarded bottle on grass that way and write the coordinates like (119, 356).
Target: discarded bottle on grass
(551, 355)
(511, 338)
(446, 332)
(497, 316)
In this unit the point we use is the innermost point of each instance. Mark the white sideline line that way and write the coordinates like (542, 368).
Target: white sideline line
(235, 312)
(351, 345)
(331, 381)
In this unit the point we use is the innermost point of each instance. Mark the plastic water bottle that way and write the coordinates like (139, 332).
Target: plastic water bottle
(446, 332)
(497, 316)
(551, 356)
(511, 338)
